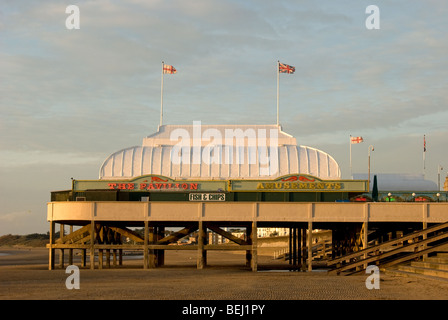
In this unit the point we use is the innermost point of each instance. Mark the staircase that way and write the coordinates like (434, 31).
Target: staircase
(433, 267)
(396, 251)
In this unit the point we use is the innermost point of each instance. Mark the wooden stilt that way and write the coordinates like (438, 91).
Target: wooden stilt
(151, 252)
(365, 239)
(310, 246)
(92, 245)
(160, 252)
(61, 251)
(51, 250)
(83, 258)
(156, 252)
(299, 247)
(70, 251)
(107, 258)
(294, 246)
(100, 259)
(145, 250)
(290, 245)
(254, 247)
(249, 241)
(201, 258)
(304, 249)
(114, 257)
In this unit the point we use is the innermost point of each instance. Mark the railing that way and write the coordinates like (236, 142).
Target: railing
(392, 252)
(248, 211)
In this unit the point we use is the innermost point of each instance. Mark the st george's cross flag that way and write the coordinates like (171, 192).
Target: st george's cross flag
(169, 69)
(284, 68)
(356, 140)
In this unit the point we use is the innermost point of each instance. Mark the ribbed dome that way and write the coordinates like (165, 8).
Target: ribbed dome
(220, 161)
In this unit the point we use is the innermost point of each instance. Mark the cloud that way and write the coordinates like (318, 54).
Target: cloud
(9, 159)
(14, 216)
(76, 96)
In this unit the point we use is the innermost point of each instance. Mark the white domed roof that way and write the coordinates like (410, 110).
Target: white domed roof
(235, 152)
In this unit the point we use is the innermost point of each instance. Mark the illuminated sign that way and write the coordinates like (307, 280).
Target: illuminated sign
(150, 183)
(289, 183)
(297, 183)
(152, 186)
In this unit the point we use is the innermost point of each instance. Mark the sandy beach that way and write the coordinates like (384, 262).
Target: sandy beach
(24, 275)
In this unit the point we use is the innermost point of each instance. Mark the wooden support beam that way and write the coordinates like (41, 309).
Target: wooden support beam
(100, 246)
(61, 251)
(108, 258)
(129, 234)
(249, 242)
(290, 246)
(254, 247)
(226, 234)
(172, 247)
(92, 245)
(70, 251)
(303, 246)
(75, 236)
(160, 252)
(299, 239)
(86, 238)
(145, 250)
(310, 246)
(100, 258)
(201, 258)
(83, 257)
(178, 235)
(151, 253)
(399, 253)
(227, 247)
(114, 257)
(365, 240)
(386, 244)
(100, 233)
(294, 246)
(51, 249)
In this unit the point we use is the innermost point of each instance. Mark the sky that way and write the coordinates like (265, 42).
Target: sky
(71, 97)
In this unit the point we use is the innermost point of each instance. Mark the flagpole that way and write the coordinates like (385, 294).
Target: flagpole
(161, 98)
(278, 80)
(350, 141)
(424, 155)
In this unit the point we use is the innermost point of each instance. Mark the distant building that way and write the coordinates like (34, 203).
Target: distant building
(399, 182)
(403, 187)
(272, 232)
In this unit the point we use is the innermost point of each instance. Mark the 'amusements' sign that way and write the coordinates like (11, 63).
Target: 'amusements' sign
(299, 183)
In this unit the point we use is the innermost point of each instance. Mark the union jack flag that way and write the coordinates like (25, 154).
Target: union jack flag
(284, 68)
(169, 69)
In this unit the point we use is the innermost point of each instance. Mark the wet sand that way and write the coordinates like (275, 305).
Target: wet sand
(24, 275)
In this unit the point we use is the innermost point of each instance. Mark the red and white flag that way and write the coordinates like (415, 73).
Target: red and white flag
(284, 68)
(169, 69)
(356, 140)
